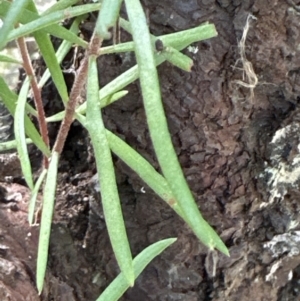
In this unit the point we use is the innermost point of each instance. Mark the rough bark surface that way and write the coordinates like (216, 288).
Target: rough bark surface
(239, 151)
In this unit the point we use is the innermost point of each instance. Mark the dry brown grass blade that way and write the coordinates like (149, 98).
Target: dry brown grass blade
(250, 79)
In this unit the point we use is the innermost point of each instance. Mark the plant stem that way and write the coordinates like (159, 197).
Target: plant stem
(78, 85)
(36, 93)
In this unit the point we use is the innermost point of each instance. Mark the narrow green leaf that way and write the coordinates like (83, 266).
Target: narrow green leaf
(54, 29)
(57, 117)
(30, 110)
(63, 49)
(132, 74)
(50, 19)
(181, 39)
(170, 54)
(109, 192)
(122, 47)
(202, 32)
(8, 59)
(10, 19)
(177, 58)
(115, 85)
(10, 98)
(20, 134)
(65, 35)
(144, 169)
(48, 53)
(149, 175)
(158, 128)
(108, 16)
(34, 194)
(177, 40)
(46, 220)
(12, 144)
(119, 285)
(112, 98)
(60, 5)
(108, 100)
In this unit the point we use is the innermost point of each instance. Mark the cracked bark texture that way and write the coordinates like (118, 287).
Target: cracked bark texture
(233, 150)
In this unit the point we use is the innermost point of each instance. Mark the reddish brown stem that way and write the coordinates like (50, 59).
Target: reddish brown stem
(36, 93)
(71, 106)
(80, 80)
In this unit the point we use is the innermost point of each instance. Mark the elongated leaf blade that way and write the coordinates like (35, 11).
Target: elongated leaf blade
(46, 220)
(62, 4)
(12, 144)
(54, 29)
(108, 17)
(118, 287)
(50, 19)
(10, 98)
(109, 192)
(8, 59)
(158, 128)
(34, 194)
(48, 53)
(19, 129)
(63, 49)
(10, 19)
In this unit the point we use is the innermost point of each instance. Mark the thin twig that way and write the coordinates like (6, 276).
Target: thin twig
(78, 85)
(36, 93)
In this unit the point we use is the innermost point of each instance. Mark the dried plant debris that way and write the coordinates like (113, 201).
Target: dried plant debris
(249, 77)
(282, 172)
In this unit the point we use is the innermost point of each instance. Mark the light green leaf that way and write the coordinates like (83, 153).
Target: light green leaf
(158, 128)
(10, 98)
(50, 19)
(54, 29)
(10, 19)
(12, 144)
(60, 5)
(108, 17)
(181, 39)
(177, 58)
(109, 192)
(8, 59)
(48, 53)
(20, 134)
(46, 220)
(118, 287)
(63, 49)
(34, 194)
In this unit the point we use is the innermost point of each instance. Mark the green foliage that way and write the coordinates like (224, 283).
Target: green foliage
(10, 18)
(46, 220)
(9, 98)
(20, 134)
(171, 186)
(118, 287)
(159, 132)
(109, 191)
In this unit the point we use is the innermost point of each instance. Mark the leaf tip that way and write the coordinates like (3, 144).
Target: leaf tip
(190, 66)
(223, 249)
